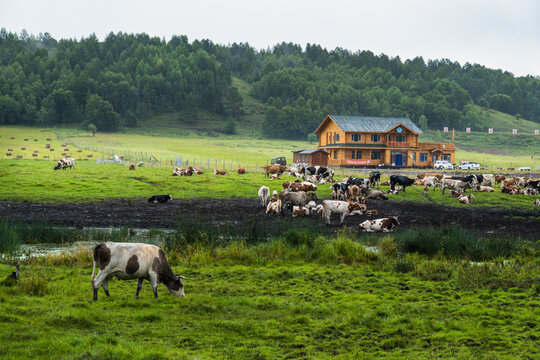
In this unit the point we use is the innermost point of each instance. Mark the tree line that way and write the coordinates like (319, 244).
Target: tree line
(127, 76)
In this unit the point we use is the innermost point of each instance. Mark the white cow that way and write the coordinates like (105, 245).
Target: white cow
(264, 192)
(343, 208)
(134, 261)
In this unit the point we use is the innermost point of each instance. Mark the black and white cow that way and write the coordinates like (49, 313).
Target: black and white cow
(159, 199)
(375, 178)
(318, 170)
(129, 261)
(471, 179)
(65, 163)
(400, 180)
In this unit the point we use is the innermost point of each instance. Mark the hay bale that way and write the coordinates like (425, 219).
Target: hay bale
(9, 149)
(79, 150)
(42, 130)
(25, 139)
(9, 154)
(66, 149)
(89, 155)
(48, 139)
(51, 149)
(12, 138)
(47, 145)
(64, 154)
(19, 156)
(35, 139)
(45, 156)
(36, 151)
(34, 155)
(23, 148)
(64, 144)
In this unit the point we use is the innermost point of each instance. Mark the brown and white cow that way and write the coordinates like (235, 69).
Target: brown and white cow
(536, 202)
(241, 171)
(220, 172)
(263, 193)
(273, 207)
(384, 224)
(275, 177)
(371, 212)
(481, 188)
(456, 194)
(353, 193)
(343, 208)
(300, 211)
(302, 186)
(134, 261)
(499, 179)
(458, 185)
(439, 176)
(466, 199)
(274, 169)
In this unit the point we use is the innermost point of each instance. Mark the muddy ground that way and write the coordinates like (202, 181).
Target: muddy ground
(243, 212)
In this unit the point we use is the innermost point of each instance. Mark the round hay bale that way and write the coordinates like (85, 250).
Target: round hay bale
(34, 155)
(47, 146)
(35, 139)
(66, 149)
(64, 154)
(89, 155)
(79, 150)
(48, 139)
(36, 151)
(9, 154)
(12, 138)
(9, 149)
(19, 156)
(45, 156)
(25, 139)
(42, 130)
(121, 157)
(64, 144)
(51, 149)
(23, 148)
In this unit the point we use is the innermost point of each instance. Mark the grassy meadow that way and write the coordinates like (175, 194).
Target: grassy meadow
(296, 296)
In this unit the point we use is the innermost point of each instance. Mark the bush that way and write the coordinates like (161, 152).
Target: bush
(9, 239)
(230, 126)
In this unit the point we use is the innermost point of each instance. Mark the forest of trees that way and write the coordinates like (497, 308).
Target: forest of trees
(128, 76)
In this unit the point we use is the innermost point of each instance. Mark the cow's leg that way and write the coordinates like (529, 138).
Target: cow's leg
(328, 217)
(105, 286)
(139, 286)
(154, 282)
(341, 218)
(96, 283)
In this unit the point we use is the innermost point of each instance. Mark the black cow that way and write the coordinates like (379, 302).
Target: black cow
(400, 180)
(468, 179)
(375, 178)
(159, 198)
(534, 184)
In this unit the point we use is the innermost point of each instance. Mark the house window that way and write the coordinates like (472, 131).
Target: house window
(335, 154)
(353, 154)
(356, 137)
(375, 138)
(423, 157)
(337, 138)
(414, 157)
(401, 138)
(358, 154)
(328, 141)
(375, 155)
(445, 157)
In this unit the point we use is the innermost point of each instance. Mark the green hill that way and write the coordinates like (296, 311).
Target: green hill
(501, 122)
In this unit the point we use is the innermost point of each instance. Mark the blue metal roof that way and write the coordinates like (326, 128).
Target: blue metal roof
(372, 124)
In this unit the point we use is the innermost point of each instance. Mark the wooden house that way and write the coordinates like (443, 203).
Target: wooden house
(372, 141)
(311, 157)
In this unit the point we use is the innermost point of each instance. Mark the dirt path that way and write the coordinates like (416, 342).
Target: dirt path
(136, 212)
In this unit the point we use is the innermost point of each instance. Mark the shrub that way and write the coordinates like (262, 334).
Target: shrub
(388, 247)
(35, 284)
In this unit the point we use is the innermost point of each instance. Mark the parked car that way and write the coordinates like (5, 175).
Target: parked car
(279, 160)
(524, 168)
(443, 165)
(469, 165)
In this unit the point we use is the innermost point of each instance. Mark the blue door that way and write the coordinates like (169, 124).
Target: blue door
(398, 160)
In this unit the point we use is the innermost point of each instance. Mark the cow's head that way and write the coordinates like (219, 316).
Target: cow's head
(176, 286)
(170, 197)
(314, 197)
(394, 220)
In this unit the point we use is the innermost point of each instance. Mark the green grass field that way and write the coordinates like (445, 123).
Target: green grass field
(298, 296)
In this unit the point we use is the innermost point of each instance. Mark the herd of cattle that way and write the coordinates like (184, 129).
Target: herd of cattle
(351, 195)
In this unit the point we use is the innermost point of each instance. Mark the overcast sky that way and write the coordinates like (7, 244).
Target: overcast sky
(495, 33)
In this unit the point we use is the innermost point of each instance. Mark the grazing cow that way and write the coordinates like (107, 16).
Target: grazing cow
(432, 181)
(488, 180)
(384, 224)
(536, 202)
(274, 169)
(471, 179)
(425, 175)
(361, 182)
(375, 178)
(481, 188)
(319, 209)
(285, 185)
(353, 193)
(132, 167)
(499, 179)
(400, 180)
(159, 199)
(302, 186)
(454, 184)
(273, 207)
(299, 198)
(298, 211)
(456, 194)
(466, 199)
(510, 181)
(263, 192)
(343, 208)
(241, 171)
(220, 172)
(374, 194)
(134, 261)
(371, 212)
(65, 163)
